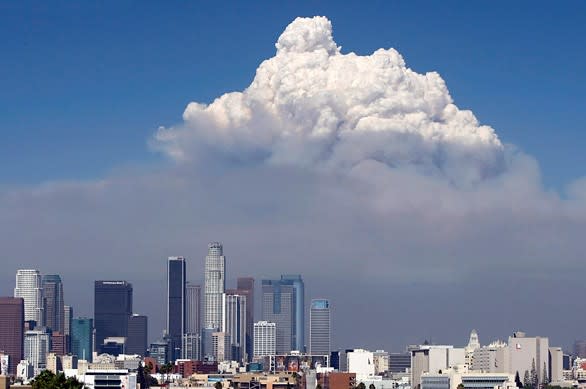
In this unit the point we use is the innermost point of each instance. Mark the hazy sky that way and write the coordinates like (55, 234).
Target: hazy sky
(426, 189)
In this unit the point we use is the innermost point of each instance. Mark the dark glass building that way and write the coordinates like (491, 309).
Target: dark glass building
(112, 308)
(245, 286)
(81, 337)
(176, 304)
(11, 330)
(53, 303)
(137, 342)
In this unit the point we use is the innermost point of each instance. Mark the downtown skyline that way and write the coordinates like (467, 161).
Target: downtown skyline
(395, 240)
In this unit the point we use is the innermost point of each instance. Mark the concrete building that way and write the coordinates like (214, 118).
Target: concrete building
(265, 339)
(524, 351)
(25, 371)
(336, 380)
(82, 338)
(159, 351)
(556, 364)
(54, 363)
(58, 343)
(29, 287)
(320, 327)
(53, 303)
(11, 335)
(137, 340)
(433, 358)
(452, 378)
(234, 324)
(473, 345)
(221, 346)
(176, 303)
(381, 362)
(36, 347)
(493, 358)
(215, 285)
(112, 308)
(360, 362)
(283, 304)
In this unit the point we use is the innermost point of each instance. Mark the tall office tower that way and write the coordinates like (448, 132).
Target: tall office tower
(176, 304)
(82, 338)
(29, 286)
(283, 304)
(191, 347)
(265, 339)
(67, 317)
(245, 286)
(221, 347)
(11, 330)
(580, 348)
(215, 285)
(234, 324)
(53, 300)
(58, 343)
(112, 308)
(193, 309)
(320, 327)
(137, 341)
(36, 347)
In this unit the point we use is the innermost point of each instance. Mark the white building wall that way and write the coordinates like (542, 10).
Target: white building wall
(265, 338)
(360, 362)
(556, 364)
(524, 350)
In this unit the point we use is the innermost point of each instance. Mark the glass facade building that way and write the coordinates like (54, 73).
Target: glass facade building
(176, 303)
(319, 327)
(82, 338)
(53, 303)
(112, 308)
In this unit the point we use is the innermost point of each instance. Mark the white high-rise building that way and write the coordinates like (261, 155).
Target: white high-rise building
(221, 346)
(234, 324)
(319, 327)
(215, 285)
(36, 347)
(473, 345)
(30, 288)
(265, 338)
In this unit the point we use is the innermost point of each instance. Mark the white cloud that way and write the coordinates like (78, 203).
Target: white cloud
(312, 106)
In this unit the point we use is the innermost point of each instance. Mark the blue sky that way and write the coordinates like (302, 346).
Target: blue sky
(84, 85)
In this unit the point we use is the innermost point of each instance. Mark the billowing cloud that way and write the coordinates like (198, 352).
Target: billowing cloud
(355, 171)
(313, 106)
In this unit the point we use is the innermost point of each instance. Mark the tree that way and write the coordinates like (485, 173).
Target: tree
(48, 380)
(318, 386)
(361, 386)
(518, 380)
(534, 377)
(527, 380)
(460, 386)
(544, 379)
(371, 386)
(218, 385)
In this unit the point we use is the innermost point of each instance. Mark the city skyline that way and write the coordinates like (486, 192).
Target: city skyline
(408, 175)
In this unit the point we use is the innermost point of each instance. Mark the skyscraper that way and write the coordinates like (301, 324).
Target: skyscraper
(245, 286)
(53, 303)
(265, 339)
(193, 309)
(82, 338)
(29, 287)
(215, 285)
(11, 333)
(112, 308)
(137, 341)
(176, 304)
(234, 324)
(320, 327)
(67, 317)
(36, 347)
(283, 304)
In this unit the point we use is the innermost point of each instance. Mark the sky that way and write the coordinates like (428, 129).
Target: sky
(364, 173)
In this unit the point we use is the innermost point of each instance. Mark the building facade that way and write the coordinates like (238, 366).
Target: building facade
(11, 335)
(67, 317)
(82, 338)
(36, 347)
(245, 286)
(29, 287)
(53, 303)
(234, 324)
(112, 308)
(137, 340)
(265, 339)
(215, 285)
(283, 304)
(176, 303)
(193, 302)
(320, 327)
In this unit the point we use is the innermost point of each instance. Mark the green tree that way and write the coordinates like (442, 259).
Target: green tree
(318, 386)
(361, 386)
(544, 378)
(527, 380)
(518, 380)
(371, 386)
(48, 380)
(218, 385)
